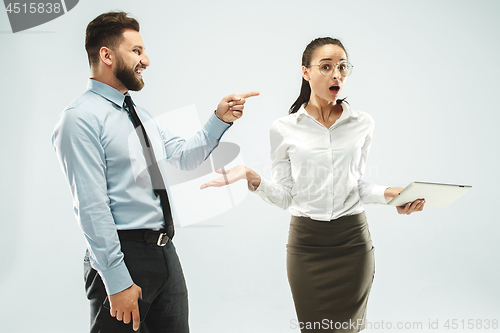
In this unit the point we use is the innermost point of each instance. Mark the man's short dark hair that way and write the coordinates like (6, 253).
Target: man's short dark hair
(107, 30)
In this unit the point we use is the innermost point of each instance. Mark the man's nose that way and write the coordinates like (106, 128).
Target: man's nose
(145, 60)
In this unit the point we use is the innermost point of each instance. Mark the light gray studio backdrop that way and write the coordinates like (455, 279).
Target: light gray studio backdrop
(427, 71)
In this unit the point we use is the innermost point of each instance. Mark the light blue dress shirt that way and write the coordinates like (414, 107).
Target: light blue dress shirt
(94, 140)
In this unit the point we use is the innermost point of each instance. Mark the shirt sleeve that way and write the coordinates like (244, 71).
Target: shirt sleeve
(76, 140)
(187, 154)
(277, 192)
(369, 193)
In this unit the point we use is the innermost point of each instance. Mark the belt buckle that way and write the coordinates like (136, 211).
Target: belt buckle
(162, 239)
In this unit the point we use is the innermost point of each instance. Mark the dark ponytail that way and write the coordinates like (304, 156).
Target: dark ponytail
(305, 89)
(305, 94)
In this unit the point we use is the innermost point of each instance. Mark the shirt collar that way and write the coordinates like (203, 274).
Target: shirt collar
(346, 112)
(106, 91)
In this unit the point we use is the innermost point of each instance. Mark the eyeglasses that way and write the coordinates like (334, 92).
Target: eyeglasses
(327, 68)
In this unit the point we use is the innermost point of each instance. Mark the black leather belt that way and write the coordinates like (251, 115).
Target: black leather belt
(144, 235)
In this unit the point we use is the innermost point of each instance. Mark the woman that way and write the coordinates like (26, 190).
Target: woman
(319, 154)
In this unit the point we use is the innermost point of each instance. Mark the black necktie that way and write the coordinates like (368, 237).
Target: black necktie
(154, 171)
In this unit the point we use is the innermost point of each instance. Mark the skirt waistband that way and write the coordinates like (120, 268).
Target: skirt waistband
(357, 218)
(347, 231)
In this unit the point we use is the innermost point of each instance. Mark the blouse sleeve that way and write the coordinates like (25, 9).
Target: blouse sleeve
(369, 193)
(278, 192)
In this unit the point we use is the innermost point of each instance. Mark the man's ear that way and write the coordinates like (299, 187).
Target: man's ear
(305, 73)
(106, 55)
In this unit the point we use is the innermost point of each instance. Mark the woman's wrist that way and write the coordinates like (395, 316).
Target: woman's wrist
(391, 192)
(253, 178)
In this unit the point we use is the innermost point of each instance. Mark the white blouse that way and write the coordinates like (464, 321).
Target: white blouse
(317, 171)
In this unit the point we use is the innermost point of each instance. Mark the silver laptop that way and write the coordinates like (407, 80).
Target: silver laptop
(436, 195)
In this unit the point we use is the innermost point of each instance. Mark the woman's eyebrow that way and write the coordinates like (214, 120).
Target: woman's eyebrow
(342, 59)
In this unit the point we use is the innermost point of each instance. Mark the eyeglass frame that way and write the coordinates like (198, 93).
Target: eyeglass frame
(336, 66)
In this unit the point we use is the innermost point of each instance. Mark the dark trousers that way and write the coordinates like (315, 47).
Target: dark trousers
(158, 272)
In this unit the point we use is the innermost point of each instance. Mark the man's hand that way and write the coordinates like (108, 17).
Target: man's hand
(231, 107)
(410, 207)
(124, 305)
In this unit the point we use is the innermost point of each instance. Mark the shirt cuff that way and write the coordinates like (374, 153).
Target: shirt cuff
(263, 187)
(116, 279)
(216, 127)
(378, 194)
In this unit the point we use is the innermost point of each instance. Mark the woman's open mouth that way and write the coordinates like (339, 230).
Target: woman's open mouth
(334, 89)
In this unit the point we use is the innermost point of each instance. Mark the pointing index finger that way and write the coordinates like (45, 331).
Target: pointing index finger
(249, 94)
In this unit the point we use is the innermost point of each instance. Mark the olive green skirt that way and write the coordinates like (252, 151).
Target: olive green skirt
(330, 268)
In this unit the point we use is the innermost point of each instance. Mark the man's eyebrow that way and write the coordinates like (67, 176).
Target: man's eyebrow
(138, 47)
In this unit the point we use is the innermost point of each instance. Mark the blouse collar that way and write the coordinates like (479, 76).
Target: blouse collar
(346, 112)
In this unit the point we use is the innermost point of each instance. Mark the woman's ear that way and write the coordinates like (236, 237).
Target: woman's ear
(305, 73)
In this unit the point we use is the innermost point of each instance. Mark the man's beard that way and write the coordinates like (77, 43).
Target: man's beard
(127, 76)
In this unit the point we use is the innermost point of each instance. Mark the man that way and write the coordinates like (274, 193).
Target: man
(125, 214)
